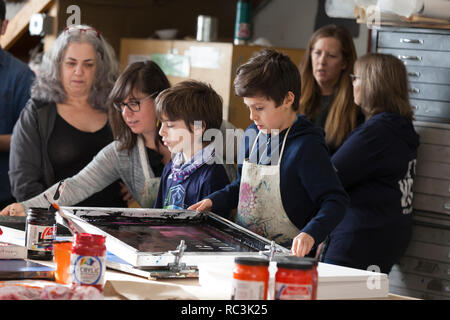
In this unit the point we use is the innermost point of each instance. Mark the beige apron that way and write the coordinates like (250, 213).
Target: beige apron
(151, 184)
(260, 207)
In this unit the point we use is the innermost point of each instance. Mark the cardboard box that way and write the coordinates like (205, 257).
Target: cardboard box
(12, 251)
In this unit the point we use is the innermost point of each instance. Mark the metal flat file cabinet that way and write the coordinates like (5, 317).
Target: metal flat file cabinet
(426, 54)
(424, 270)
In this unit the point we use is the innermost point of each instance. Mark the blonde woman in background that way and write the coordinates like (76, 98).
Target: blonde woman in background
(327, 98)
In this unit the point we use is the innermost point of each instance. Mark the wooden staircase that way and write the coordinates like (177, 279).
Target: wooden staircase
(19, 24)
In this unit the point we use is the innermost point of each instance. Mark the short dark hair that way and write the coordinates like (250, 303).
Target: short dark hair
(191, 101)
(2, 10)
(270, 74)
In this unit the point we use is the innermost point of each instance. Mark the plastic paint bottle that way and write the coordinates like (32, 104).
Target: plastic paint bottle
(88, 260)
(250, 278)
(295, 280)
(40, 232)
(61, 252)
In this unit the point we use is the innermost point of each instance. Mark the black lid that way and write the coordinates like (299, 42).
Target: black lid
(293, 262)
(40, 212)
(252, 261)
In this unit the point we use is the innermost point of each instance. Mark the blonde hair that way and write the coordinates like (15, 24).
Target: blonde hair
(384, 85)
(341, 119)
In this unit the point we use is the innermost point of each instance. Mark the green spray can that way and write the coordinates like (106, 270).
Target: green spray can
(242, 31)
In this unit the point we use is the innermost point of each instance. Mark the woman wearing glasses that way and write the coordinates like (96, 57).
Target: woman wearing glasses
(65, 123)
(137, 156)
(376, 165)
(327, 98)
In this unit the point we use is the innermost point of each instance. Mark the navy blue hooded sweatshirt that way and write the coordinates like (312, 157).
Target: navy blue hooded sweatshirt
(312, 195)
(376, 165)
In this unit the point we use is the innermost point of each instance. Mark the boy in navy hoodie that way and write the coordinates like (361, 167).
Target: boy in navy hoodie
(186, 111)
(286, 189)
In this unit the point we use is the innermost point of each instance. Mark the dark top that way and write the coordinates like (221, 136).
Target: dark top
(70, 150)
(312, 195)
(155, 160)
(325, 104)
(15, 82)
(376, 165)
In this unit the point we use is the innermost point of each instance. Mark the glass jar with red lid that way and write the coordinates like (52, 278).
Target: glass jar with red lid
(88, 260)
(296, 279)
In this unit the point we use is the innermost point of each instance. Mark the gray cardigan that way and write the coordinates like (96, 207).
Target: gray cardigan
(30, 170)
(106, 167)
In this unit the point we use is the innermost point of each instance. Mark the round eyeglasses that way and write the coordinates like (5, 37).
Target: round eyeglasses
(133, 105)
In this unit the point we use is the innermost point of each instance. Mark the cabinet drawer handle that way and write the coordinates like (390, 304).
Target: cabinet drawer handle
(414, 90)
(415, 107)
(417, 58)
(414, 74)
(406, 40)
(447, 206)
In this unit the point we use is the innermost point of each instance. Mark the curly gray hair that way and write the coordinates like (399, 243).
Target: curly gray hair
(48, 85)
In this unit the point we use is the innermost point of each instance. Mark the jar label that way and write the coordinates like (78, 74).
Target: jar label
(243, 31)
(37, 236)
(247, 290)
(289, 291)
(87, 269)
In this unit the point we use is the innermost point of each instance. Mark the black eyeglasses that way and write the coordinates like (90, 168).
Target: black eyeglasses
(354, 77)
(133, 106)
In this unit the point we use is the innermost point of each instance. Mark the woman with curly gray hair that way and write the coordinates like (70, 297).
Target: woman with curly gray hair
(65, 122)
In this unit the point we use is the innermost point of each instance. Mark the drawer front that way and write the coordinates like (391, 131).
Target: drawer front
(431, 219)
(420, 57)
(418, 41)
(428, 251)
(433, 135)
(437, 187)
(433, 169)
(431, 109)
(423, 284)
(428, 75)
(430, 152)
(432, 203)
(429, 91)
(438, 236)
(421, 266)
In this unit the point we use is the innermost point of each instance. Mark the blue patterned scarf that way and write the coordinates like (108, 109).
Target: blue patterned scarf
(181, 170)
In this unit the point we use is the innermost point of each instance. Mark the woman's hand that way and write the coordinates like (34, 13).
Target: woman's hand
(124, 193)
(204, 205)
(14, 209)
(302, 244)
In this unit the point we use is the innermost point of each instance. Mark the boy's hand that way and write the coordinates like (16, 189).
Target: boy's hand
(302, 244)
(204, 205)
(14, 209)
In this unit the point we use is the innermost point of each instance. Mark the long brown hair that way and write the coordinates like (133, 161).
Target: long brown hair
(384, 85)
(341, 119)
(146, 77)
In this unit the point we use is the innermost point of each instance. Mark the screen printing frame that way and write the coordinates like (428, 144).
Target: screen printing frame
(158, 260)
